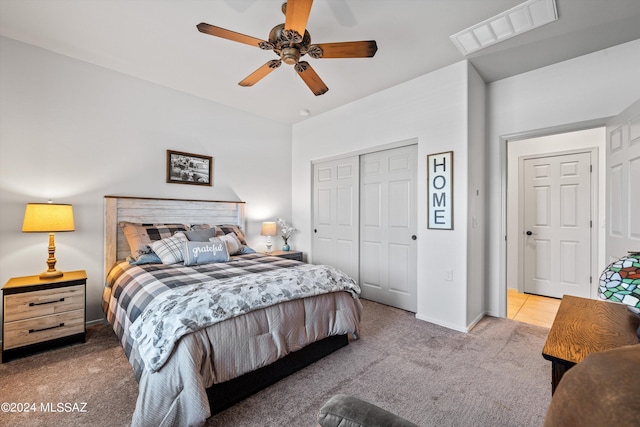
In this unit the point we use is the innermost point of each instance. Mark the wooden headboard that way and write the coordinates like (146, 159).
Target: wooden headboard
(147, 210)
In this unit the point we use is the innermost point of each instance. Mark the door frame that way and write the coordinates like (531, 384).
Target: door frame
(503, 164)
(594, 152)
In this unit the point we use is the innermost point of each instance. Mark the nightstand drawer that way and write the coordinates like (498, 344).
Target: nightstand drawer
(42, 303)
(30, 331)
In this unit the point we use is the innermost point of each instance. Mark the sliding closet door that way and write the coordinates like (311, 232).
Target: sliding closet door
(335, 214)
(388, 225)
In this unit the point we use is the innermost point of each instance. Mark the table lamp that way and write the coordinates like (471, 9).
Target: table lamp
(269, 229)
(48, 218)
(620, 282)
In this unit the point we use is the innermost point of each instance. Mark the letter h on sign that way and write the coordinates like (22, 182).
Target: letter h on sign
(440, 185)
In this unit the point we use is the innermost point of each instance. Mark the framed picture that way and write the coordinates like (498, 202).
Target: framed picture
(440, 193)
(187, 168)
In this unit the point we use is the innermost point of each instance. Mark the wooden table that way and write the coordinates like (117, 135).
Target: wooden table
(583, 326)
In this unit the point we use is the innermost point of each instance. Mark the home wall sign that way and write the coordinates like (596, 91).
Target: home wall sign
(440, 193)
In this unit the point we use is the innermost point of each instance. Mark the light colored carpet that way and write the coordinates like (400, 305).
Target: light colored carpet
(493, 376)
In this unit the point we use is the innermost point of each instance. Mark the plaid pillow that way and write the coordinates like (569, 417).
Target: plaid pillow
(170, 250)
(140, 236)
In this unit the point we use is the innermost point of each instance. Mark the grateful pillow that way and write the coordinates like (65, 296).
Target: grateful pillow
(205, 252)
(140, 236)
(169, 250)
(232, 242)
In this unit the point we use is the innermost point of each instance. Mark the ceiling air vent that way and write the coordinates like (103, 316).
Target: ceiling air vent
(520, 19)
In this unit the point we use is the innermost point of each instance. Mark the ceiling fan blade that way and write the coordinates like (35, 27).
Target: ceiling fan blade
(363, 49)
(228, 34)
(297, 15)
(260, 73)
(311, 78)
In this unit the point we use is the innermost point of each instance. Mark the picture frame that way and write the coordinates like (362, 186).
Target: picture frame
(188, 168)
(440, 190)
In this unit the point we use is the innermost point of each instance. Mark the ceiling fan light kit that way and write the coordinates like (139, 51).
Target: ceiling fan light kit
(291, 41)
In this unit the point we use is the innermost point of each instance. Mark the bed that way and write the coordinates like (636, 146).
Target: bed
(199, 335)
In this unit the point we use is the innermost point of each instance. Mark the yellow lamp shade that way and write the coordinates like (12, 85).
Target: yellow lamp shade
(47, 218)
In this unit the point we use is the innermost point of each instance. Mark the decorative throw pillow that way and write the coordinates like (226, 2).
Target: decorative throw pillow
(170, 250)
(140, 236)
(205, 252)
(201, 235)
(246, 250)
(230, 228)
(198, 227)
(150, 258)
(232, 242)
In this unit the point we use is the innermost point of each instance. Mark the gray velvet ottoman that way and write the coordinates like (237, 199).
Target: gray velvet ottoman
(348, 411)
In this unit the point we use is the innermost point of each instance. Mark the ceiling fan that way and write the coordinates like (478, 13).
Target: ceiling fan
(290, 41)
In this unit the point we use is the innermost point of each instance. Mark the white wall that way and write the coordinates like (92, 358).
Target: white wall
(74, 132)
(434, 109)
(569, 141)
(476, 196)
(571, 95)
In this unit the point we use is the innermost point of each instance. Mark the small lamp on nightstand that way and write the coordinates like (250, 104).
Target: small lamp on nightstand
(48, 218)
(269, 229)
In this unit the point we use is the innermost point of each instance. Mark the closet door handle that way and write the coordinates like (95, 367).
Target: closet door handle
(414, 237)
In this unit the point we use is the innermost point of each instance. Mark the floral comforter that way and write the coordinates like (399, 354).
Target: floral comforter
(191, 308)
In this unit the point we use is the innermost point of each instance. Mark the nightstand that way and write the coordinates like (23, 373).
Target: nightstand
(296, 255)
(42, 314)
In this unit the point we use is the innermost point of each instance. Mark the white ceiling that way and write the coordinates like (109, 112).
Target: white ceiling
(157, 40)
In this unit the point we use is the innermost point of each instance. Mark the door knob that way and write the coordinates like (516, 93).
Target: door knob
(414, 237)
(529, 233)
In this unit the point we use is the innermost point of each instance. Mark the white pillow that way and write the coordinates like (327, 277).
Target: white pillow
(170, 250)
(232, 242)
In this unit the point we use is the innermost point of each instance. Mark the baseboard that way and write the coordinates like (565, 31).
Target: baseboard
(448, 325)
(96, 322)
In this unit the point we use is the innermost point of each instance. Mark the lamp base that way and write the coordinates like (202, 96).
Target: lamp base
(51, 274)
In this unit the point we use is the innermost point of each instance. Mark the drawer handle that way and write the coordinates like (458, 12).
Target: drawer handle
(46, 329)
(31, 304)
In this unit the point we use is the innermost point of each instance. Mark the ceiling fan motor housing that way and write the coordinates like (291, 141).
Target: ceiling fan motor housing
(288, 44)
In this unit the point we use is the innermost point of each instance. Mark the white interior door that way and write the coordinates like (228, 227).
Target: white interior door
(388, 260)
(623, 183)
(557, 225)
(335, 214)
